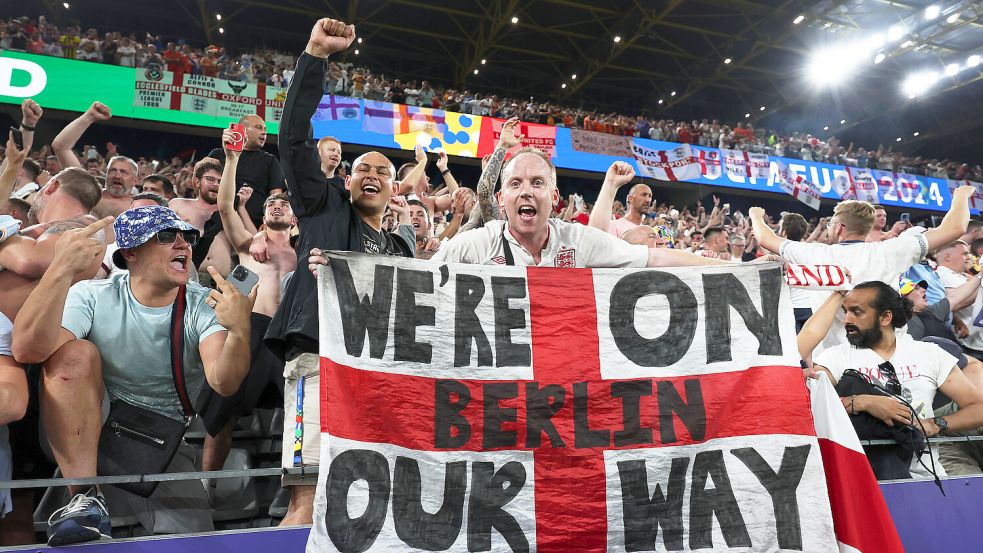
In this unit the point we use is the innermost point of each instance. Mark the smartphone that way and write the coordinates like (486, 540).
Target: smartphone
(243, 279)
(238, 137)
(726, 209)
(906, 218)
(18, 137)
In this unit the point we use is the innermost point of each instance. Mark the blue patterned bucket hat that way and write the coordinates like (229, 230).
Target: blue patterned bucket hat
(134, 227)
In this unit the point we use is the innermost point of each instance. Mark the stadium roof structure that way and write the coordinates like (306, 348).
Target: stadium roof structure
(702, 58)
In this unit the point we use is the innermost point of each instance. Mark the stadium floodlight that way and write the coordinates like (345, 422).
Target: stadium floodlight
(918, 84)
(973, 61)
(762, 108)
(747, 115)
(876, 40)
(952, 69)
(832, 66)
(475, 71)
(660, 101)
(826, 128)
(895, 32)
(483, 61)
(359, 40)
(932, 12)
(727, 60)
(221, 30)
(564, 85)
(66, 5)
(218, 17)
(798, 20)
(879, 58)
(574, 76)
(952, 18)
(673, 93)
(907, 43)
(617, 38)
(898, 139)
(515, 20)
(843, 121)
(916, 133)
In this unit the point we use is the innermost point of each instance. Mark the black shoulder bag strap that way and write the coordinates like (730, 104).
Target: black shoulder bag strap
(177, 351)
(509, 260)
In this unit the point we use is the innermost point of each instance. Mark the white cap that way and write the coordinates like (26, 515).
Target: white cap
(24, 191)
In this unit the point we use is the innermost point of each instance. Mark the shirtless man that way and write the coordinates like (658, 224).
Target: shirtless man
(198, 212)
(121, 171)
(221, 413)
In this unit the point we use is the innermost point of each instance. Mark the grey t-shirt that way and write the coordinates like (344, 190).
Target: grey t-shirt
(134, 340)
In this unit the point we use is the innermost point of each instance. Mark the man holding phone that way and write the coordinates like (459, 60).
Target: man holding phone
(258, 169)
(221, 413)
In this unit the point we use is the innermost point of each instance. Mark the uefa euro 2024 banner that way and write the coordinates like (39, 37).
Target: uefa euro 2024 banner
(205, 101)
(494, 408)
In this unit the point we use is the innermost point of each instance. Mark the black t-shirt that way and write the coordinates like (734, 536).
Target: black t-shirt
(261, 170)
(378, 242)
(398, 96)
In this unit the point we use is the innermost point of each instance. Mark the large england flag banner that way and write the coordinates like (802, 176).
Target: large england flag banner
(676, 164)
(746, 164)
(798, 187)
(856, 184)
(496, 408)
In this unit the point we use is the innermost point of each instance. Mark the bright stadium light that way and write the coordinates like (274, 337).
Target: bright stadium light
(834, 65)
(673, 93)
(952, 18)
(876, 40)
(918, 84)
(660, 101)
(798, 20)
(826, 128)
(356, 51)
(564, 85)
(359, 40)
(747, 115)
(574, 76)
(617, 38)
(843, 121)
(895, 32)
(952, 69)
(727, 60)
(221, 30)
(907, 43)
(218, 17)
(66, 5)
(483, 61)
(762, 108)
(879, 58)
(475, 71)
(916, 133)
(932, 12)
(515, 20)
(898, 139)
(973, 61)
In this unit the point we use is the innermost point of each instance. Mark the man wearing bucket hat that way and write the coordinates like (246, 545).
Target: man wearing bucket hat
(114, 337)
(928, 320)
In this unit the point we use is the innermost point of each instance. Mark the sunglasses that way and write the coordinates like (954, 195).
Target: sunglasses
(893, 384)
(170, 236)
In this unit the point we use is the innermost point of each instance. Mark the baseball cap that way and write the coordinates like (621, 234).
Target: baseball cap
(24, 191)
(906, 285)
(134, 227)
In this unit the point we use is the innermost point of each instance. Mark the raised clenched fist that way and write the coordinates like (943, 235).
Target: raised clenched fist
(619, 174)
(98, 111)
(30, 112)
(329, 36)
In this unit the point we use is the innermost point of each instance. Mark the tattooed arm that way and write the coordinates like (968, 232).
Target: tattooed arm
(486, 208)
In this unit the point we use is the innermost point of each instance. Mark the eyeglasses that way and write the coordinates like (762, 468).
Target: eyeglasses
(211, 179)
(893, 384)
(170, 236)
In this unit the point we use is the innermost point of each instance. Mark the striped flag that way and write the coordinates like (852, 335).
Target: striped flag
(860, 515)
(669, 165)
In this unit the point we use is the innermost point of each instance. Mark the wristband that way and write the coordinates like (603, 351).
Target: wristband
(445, 171)
(26, 128)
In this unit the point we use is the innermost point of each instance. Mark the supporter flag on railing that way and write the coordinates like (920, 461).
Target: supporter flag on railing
(336, 108)
(856, 184)
(746, 164)
(798, 187)
(541, 137)
(861, 518)
(498, 408)
(709, 161)
(671, 165)
(388, 118)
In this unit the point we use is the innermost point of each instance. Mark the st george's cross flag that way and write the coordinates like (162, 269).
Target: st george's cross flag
(798, 187)
(709, 161)
(501, 408)
(855, 183)
(746, 164)
(669, 165)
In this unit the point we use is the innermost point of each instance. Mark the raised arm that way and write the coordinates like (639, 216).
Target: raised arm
(412, 181)
(238, 234)
(13, 162)
(766, 237)
(69, 136)
(954, 223)
(963, 295)
(618, 175)
(299, 159)
(485, 190)
(817, 327)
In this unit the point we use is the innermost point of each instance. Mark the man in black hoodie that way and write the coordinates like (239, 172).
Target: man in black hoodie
(328, 220)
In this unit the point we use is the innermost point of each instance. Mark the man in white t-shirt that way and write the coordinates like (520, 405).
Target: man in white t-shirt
(954, 260)
(882, 261)
(910, 369)
(531, 237)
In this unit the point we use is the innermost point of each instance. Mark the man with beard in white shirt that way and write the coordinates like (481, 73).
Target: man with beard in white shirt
(954, 261)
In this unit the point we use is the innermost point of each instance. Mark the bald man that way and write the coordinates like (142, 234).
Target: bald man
(258, 169)
(638, 205)
(330, 218)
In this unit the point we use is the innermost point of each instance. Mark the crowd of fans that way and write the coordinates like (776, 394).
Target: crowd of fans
(349, 79)
(95, 243)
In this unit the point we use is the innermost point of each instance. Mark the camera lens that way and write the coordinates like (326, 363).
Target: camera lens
(239, 274)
